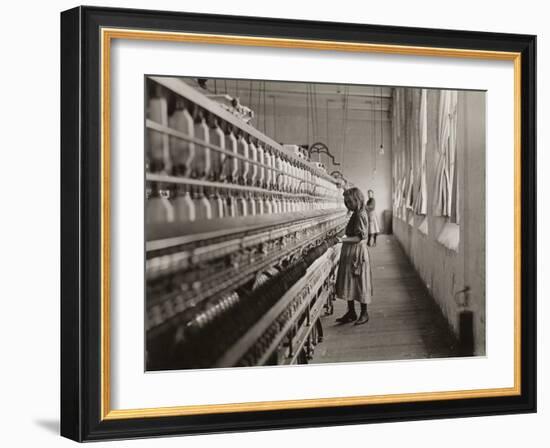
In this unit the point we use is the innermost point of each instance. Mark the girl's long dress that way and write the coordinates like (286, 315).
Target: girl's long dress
(354, 278)
(374, 227)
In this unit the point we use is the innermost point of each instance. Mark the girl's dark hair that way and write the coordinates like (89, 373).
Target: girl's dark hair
(355, 197)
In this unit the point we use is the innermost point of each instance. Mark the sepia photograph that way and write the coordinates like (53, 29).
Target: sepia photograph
(295, 223)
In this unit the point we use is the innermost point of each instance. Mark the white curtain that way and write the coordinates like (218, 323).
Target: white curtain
(403, 188)
(395, 171)
(421, 206)
(410, 187)
(395, 182)
(444, 202)
(413, 172)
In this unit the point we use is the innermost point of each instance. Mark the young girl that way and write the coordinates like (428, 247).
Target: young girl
(374, 228)
(354, 278)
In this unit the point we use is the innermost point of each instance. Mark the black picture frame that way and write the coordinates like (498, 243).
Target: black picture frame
(81, 208)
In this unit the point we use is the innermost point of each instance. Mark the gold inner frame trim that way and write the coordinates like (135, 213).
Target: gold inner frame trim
(107, 35)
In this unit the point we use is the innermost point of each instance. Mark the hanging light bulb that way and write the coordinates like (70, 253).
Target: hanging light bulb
(381, 150)
(374, 139)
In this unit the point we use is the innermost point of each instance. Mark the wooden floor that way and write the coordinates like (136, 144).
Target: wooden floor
(405, 323)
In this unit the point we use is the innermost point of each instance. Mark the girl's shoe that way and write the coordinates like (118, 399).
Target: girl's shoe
(346, 318)
(363, 319)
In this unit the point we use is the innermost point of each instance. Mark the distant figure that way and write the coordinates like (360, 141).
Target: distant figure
(202, 83)
(354, 278)
(374, 228)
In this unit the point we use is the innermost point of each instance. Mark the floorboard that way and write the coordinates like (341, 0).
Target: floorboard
(405, 322)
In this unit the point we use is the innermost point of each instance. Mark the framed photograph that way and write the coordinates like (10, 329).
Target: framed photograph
(274, 223)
